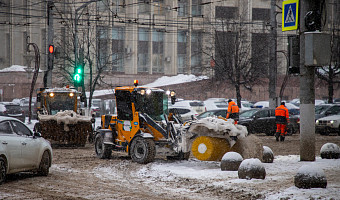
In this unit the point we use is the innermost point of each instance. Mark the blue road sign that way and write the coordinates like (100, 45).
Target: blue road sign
(290, 10)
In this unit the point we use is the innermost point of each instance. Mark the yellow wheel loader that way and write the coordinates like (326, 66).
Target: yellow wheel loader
(143, 128)
(60, 119)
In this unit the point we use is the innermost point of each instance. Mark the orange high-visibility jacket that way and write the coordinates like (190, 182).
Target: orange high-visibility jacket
(232, 108)
(282, 115)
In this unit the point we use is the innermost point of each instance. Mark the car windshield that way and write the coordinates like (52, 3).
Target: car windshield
(319, 109)
(221, 104)
(60, 102)
(205, 114)
(247, 113)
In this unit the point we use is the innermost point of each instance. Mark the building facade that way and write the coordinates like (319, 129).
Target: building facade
(144, 39)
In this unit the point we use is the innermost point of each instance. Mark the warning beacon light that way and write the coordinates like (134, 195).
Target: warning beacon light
(135, 82)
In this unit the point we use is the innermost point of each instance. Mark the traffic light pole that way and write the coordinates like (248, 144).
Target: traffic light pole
(50, 57)
(307, 93)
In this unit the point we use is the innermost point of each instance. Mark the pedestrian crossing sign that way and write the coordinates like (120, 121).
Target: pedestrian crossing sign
(290, 10)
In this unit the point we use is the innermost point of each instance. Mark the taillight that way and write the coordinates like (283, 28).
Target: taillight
(298, 120)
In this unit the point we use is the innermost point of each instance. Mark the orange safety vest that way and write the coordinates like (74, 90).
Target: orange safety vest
(232, 109)
(282, 115)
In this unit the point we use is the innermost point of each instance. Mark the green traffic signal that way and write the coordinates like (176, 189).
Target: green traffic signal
(78, 75)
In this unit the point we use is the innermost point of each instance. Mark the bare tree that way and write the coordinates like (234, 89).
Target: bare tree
(331, 73)
(233, 54)
(92, 45)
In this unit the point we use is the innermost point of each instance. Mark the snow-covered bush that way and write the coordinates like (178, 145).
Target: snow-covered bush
(330, 151)
(268, 155)
(309, 176)
(231, 161)
(251, 168)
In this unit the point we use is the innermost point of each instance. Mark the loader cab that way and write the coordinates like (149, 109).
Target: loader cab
(151, 101)
(55, 100)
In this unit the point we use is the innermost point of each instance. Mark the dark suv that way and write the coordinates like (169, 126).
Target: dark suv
(262, 120)
(10, 109)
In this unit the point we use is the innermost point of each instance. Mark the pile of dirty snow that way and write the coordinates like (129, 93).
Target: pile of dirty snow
(219, 126)
(66, 117)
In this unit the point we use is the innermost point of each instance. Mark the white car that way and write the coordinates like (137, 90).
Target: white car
(327, 125)
(196, 105)
(22, 150)
(186, 113)
(265, 104)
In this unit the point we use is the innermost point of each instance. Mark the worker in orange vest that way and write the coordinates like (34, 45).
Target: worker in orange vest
(282, 119)
(233, 111)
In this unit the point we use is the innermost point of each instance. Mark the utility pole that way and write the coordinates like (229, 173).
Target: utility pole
(307, 92)
(50, 57)
(272, 59)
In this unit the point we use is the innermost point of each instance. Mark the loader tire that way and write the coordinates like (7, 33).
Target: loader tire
(209, 148)
(103, 151)
(143, 150)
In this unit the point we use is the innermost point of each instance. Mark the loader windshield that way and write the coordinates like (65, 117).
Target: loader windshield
(59, 102)
(154, 104)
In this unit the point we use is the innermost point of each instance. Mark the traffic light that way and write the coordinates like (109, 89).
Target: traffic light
(78, 76)
(51, 49)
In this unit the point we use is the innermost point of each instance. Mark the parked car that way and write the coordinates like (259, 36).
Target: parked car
(262, 120)
(22, 150)
(216, 103)
(327, 125)
(10, 109)
(185, 113)
(326, 110)
(265, 104)
(24, 103)
(210, 113)
(196, 105)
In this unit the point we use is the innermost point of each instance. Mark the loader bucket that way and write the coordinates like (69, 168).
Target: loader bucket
(75, 136)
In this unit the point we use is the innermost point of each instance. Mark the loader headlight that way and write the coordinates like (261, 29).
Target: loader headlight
(51, 94)
(148, 91)
(71, 94)
(167, 92)
(142, 92)
(173, 93)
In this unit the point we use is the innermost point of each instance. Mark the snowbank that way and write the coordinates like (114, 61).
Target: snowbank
(14, 68)
(180, 78)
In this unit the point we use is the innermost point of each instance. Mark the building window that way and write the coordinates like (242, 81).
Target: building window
(225, 43)
(119, 6)
(183, 8)
(143, 50)
(196, 52)
(157, 51)
(261, 14)
(103, 6)
(144, 6)
(261, 51)
(223, 12)
(118, 49)
(196, 8)
(158, 7)
(181, 50)
(102, 35)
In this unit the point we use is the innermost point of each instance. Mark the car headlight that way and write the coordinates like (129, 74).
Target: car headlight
(332, 122)
(317, 122)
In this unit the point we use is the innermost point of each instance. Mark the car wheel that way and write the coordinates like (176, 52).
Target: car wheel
(290, 131)
(2, 170)
(103, 151)
(143, 150)
(44, 164)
